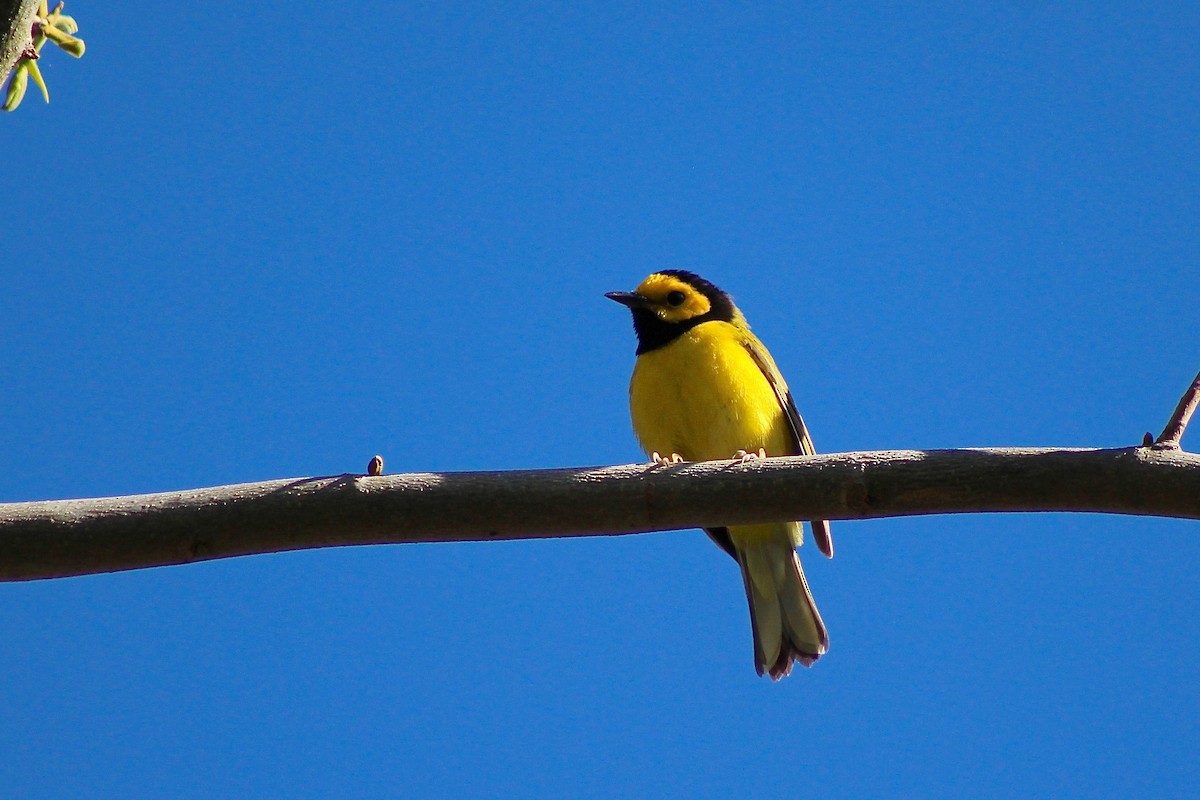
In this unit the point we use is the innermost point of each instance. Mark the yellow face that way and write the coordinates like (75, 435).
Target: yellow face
(672, 299)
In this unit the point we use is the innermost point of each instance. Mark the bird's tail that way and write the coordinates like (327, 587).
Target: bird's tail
(787, 626)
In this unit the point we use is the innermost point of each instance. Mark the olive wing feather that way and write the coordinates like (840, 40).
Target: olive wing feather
(800, 436)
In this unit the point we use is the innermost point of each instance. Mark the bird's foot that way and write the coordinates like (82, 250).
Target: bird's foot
(743, 456)
(660, 461)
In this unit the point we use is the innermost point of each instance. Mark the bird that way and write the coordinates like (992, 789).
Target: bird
(705, 388)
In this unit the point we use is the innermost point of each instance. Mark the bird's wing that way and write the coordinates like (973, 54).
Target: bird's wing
(724, 541)
(800, 436)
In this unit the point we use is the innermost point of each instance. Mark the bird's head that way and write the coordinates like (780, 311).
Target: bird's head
(671, 302)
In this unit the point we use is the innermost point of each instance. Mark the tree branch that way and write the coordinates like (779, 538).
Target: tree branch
(78, 537)
(1169, 438)
(16, 32)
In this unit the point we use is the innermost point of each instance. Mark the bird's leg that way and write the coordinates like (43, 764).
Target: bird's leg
(659, 460)
(743, 456)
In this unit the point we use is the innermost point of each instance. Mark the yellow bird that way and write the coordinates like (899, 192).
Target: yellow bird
(705, 388)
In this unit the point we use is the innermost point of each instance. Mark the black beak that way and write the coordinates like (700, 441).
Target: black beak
(631, 299)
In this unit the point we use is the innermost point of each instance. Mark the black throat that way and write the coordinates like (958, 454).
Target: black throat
(654, 332)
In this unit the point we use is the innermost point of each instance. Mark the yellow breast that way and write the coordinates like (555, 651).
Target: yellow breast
(704, 397)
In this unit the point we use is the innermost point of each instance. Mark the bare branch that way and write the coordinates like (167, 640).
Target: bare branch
(1169, 439)
(78, 537)
(16, 32)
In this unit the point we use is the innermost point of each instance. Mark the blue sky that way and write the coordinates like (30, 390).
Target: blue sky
(274, 245)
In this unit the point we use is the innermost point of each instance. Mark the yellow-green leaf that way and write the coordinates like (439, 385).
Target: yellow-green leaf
(64, 40)
(64, 23)
(36, 74)
(16, 87)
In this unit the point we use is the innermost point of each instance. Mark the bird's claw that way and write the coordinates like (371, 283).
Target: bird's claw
(743, 456)
(660, 461)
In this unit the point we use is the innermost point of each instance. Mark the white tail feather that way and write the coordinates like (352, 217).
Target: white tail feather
(787, 626)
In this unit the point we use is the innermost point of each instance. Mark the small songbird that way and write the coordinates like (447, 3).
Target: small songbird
(705, 388)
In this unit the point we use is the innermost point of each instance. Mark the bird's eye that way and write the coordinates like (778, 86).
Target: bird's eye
(675, 298)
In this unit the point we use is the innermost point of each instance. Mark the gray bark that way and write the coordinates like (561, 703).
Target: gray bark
(16, 27)
(78, 537)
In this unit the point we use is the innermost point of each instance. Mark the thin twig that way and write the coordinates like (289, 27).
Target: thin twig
(1169, 439)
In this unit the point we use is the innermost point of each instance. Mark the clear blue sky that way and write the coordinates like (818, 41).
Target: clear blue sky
(273, 242)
